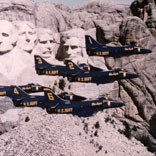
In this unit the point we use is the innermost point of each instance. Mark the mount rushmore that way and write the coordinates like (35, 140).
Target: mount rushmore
(55, 31)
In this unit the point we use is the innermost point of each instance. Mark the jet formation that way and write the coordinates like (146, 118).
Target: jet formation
(95, 48)
(74, 73)
(55, 104)
(69, 103)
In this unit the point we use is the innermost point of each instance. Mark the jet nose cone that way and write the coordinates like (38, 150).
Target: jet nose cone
(146, 51)
(132, 76)
(117, 104)
(120, 104)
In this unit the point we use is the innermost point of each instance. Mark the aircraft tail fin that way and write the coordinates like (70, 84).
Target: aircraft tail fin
(73, 68)
(40, 63)
(50, 96)
(91, 43)
(17, 93)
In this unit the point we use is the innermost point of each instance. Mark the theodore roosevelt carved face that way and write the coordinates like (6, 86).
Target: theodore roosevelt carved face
(45, 45)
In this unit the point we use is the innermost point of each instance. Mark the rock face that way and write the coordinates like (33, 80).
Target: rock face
(41, 134)
(145, 9)
(57, 31)
(17, 10)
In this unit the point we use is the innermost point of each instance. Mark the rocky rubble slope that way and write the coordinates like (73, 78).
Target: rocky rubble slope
(38, 133)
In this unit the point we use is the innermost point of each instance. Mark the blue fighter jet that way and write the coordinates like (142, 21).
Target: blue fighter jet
(75, 74)
(57, 105)
(21, 98)
(29, 88)
(94, 48)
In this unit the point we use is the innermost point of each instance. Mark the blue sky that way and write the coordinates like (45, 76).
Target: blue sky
(78, 2)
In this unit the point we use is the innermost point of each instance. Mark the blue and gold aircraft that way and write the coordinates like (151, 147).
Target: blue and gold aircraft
(75, 74)
(54, 104)
(29, 88)
(57, 105)
(20, 98)
(44, 68)
(94, 48)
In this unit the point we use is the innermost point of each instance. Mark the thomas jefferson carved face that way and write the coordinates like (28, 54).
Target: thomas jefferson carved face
(8, 37)
(27, 36)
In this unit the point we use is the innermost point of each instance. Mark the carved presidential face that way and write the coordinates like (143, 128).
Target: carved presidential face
(72, 47)
(45, 43)
(27, 36)
(7, 37)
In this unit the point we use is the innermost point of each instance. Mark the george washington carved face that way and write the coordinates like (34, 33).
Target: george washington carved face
(8, 37)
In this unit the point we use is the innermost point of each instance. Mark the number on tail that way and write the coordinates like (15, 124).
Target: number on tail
(71, 66)
(50, 97)
(16, 91)
(39, 60)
